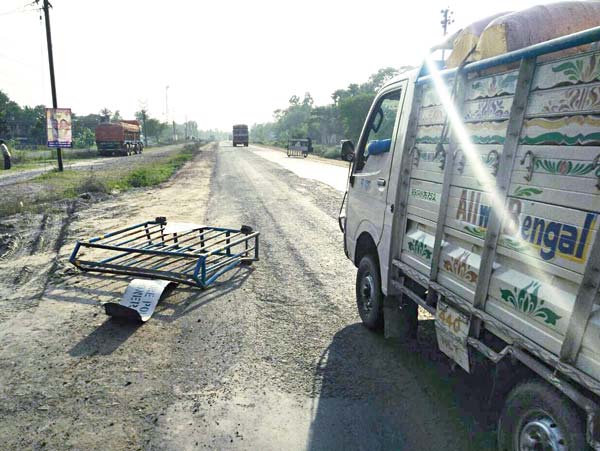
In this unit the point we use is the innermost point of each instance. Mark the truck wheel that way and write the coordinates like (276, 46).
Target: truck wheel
(369, 298)
(537, 417)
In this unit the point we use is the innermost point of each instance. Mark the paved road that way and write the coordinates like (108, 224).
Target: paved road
(11, 177)
(333, 173)
(285, 362)
(272, 357)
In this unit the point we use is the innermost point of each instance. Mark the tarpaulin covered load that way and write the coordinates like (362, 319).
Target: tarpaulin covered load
(514, 31)
(534, 25)
(115, 131)
(467, 40)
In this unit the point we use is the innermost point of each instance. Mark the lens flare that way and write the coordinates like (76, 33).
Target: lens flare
(464, 143)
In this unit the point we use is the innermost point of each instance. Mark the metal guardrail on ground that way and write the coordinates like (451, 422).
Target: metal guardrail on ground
(184, 253)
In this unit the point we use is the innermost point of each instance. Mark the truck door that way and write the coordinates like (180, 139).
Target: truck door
(367, 192)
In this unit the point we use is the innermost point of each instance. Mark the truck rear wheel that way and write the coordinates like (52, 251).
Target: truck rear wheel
(537, 417)
(369, 298)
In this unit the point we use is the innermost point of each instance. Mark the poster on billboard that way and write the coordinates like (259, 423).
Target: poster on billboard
(58, 124)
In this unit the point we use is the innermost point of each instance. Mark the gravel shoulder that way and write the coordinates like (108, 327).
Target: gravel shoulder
(271, 357)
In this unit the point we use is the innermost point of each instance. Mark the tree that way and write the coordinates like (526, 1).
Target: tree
(308, 100)
(353, 112)
(105, 113)
(294, 100)
(116, 116)
(154, 128)
(380, 78)
(9, 115)
(83, 138)
(142, 117)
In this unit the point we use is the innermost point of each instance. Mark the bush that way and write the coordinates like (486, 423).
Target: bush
(92, 185)
(332, 153)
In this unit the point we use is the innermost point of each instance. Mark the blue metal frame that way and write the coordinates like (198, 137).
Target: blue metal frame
(194, 257)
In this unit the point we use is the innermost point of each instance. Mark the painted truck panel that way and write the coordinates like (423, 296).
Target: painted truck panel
(553, 200)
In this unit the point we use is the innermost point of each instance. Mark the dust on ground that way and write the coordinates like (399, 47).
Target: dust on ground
(64, 380)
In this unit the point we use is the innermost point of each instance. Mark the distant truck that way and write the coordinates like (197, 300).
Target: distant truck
(119, 138)
(240, 135)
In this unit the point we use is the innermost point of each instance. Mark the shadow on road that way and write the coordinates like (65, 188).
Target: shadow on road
(185, 300)
(105, 339)
(372, 393)
(176, 303)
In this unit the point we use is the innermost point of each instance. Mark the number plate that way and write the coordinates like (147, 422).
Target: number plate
(452, 330)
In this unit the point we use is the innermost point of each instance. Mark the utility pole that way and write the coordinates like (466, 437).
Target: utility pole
(447, 19)
(46, 6)
(167, 103)
(144, 125)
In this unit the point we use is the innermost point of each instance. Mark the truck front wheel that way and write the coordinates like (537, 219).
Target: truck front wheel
(369, 298)
(536, 416)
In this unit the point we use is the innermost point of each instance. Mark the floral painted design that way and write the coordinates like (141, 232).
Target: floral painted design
(526, 191)
(494, 86)
(459, 267)
(478, 232)
(565, 167)
(579, 70)
(580, 98)
(513, 243)
(526, 301)
(488, 109)
(418, 246)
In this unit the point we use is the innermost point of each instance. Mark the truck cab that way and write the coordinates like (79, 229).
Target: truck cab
(372, 183)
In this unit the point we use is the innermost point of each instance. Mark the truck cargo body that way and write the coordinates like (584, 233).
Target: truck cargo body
(240, 135)
(118, 138)
(476, 195)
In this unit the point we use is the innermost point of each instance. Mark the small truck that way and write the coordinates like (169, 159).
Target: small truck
(474, 194)
(119, 138)
(240, 135)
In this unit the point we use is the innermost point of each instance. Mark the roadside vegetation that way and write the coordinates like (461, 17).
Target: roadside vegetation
(24, 129)
(38, 194)
(326, 125)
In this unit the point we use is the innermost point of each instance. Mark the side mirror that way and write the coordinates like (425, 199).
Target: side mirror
(347, 150)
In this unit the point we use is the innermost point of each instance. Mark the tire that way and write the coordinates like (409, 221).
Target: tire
(369, 298)
(536, 411)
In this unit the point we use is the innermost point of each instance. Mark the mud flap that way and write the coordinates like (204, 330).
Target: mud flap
(139, 301)
(391, 317)
(400, 318)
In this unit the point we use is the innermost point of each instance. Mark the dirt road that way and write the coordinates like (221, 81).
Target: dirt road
(272, 357)
(11, 177)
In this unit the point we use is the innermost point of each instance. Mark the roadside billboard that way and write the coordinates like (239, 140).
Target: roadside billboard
(58, 125)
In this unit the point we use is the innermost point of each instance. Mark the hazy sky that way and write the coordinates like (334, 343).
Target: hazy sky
(225, 61)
